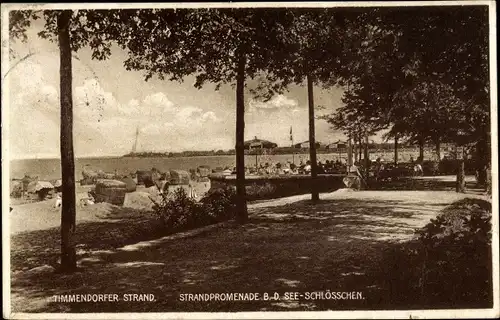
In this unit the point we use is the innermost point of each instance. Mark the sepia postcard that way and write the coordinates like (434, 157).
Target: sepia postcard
(275, 160)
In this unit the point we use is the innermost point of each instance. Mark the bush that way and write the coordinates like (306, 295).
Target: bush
(449, 264)
(220, 203)
(177, 211)
(467, 219)
(457, 245)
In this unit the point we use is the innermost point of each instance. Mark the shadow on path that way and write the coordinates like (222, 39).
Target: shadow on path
(116, 227)
(304, 247)
(435, 183)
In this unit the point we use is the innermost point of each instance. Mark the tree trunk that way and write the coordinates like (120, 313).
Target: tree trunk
(367, 157)
(360, 147)
(312, 140)
(395, 150)
(355, 150)
(68, 211)
(241, 206)
(421, 149)
(366, 162)
(483, 158)
(349, 153)
(438, 149)
(461, 176)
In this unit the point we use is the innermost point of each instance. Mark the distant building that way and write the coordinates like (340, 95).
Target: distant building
(305, 145)
(259, 144)
(339, 145)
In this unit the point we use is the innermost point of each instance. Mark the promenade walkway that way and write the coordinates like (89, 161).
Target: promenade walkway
(288, 245)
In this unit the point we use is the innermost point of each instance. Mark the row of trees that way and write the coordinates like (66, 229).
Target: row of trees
(372, 52)
(422, 77)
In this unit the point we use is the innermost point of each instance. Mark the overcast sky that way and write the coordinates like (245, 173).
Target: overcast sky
(110, 103)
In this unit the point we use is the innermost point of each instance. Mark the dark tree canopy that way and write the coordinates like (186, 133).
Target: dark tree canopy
(412, 70)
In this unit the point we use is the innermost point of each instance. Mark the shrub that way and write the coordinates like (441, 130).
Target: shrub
(457, 245)
(449, 264)
(467, 219)
(16, 192)
(220, 203)
(177, 211)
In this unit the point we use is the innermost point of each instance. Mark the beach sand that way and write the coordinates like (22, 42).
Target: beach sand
(42, 215)
(29, 215)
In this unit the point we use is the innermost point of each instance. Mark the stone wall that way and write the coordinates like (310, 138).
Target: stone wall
(269, 187)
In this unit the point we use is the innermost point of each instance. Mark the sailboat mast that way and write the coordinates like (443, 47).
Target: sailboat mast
(134, 147)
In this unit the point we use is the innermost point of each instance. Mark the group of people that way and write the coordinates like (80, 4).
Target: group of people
(270, 168)
(329, 166)
(378, 168)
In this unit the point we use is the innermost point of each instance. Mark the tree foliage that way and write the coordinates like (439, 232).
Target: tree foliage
(199, 42)
(220, 46)
(419, 72)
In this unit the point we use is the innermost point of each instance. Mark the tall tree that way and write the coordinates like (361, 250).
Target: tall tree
(307, 51)
(425, 71)
(71, 30)
(364, 73)
(448, 55)
(433, 121)
(240, 133)
(19, 22)
(68, 215)
(312, 139)
(221, 46)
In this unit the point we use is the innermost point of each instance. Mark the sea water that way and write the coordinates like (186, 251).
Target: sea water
(50, 169)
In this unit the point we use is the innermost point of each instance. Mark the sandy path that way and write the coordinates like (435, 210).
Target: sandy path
(421, 196)
(42, 215)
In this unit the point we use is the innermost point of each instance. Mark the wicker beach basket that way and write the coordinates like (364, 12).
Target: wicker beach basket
(110, 191)
(179, 177)
(147, 178)
(203, 171)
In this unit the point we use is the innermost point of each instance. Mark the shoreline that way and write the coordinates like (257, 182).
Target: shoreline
(180, 155)
(50, 169)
